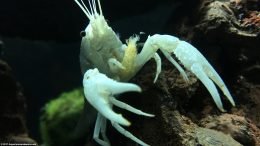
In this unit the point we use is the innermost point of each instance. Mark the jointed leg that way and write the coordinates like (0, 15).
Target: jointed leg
(158, 61)
(128, 134)
(128, 107)
(99, 126)
(103, 129)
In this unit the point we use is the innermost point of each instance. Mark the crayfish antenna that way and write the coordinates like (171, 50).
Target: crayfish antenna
(100, 9)
(84, 9)
(91, 7)
(92, 10)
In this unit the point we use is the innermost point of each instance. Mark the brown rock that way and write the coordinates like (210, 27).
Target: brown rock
(12, 109)
(240, 128)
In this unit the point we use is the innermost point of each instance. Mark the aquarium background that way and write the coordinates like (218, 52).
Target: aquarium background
(41, 42)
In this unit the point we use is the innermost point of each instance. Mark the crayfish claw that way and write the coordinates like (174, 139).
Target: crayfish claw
(203, 77)
(213, 75)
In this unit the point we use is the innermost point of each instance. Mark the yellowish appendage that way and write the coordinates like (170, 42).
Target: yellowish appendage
(129, 58)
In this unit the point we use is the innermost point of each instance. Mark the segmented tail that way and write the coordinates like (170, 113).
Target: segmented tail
(90, 12)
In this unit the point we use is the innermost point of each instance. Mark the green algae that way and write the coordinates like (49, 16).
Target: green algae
(60, 117)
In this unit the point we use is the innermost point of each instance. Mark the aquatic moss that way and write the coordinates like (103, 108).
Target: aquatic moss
(60, 117)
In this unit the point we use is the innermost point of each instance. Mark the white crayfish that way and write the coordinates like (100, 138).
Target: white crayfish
(112, 61)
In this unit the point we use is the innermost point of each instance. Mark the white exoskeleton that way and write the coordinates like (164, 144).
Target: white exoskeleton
(106, 62)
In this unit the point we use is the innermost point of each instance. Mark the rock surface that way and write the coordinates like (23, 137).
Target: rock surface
(12, 109)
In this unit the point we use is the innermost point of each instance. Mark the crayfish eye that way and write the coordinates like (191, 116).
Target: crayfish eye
(82, 33)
